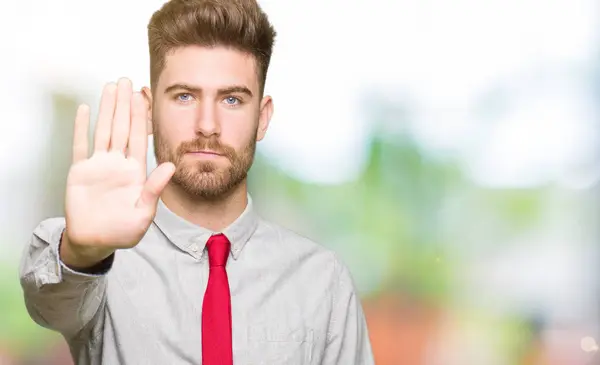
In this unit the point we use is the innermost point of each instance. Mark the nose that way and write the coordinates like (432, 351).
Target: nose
(207, 122)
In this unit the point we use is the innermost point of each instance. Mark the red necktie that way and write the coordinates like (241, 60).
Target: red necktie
(216, 308)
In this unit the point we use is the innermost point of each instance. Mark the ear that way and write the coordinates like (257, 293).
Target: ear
(148, 96)
(264, 118)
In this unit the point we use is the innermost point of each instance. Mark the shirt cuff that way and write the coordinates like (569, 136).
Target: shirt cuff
(98, 270)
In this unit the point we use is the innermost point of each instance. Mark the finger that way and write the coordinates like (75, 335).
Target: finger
(80, 134)
(138, 136)
(105, 117)
(122, 120)
(157, 181)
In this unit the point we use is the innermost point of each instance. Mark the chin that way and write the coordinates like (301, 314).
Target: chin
(202, 184)
(208, 191)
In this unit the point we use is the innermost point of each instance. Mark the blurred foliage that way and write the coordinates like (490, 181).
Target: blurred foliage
(401, 214)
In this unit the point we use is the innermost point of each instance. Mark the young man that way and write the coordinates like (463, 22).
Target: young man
(176, 267)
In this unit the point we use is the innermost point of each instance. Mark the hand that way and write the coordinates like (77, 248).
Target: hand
(109, 201)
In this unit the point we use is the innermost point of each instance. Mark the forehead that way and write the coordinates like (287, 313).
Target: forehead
(210, 68)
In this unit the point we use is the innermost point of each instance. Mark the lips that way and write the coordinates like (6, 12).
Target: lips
(206, 153)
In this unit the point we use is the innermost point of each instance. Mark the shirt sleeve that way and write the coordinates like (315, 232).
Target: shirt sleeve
(57, 297)
(348, 337)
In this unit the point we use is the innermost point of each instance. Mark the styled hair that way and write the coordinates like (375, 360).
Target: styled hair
(238, 24)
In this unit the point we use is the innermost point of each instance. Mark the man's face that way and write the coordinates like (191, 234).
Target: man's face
(207, 116)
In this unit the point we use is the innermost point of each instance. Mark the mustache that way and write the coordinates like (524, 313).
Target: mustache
(203, 143)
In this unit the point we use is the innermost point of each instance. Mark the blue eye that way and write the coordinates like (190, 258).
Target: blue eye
(231, 100)
(184, 97)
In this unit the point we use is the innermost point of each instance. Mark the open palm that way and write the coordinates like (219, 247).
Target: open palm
(109, 201)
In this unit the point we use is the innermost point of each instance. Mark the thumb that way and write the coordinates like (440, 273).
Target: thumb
(155, 184)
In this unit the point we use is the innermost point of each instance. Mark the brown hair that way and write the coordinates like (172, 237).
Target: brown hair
(239, 24)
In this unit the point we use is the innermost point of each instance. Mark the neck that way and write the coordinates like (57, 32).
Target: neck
(215, 215)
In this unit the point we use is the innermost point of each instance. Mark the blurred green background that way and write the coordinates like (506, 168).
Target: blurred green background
(454, 169)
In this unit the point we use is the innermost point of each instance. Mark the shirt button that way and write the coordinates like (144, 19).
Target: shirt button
(194, 248)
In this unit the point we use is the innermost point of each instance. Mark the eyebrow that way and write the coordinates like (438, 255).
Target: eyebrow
(198, 90)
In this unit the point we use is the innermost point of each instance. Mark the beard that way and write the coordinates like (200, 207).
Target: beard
(206, 180)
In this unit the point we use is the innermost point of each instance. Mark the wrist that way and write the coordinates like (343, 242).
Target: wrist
(78, 257)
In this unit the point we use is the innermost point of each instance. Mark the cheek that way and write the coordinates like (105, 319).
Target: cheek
(237, 128)
(176, 124)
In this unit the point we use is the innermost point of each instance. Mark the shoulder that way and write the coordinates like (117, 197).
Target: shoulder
(284, 238)
(313, 253)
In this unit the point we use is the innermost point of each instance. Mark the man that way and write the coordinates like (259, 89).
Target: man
(176, 267)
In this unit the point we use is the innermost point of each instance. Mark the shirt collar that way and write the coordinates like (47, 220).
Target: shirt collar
(186, 235)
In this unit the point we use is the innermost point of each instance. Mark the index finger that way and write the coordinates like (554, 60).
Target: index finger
(138, 134)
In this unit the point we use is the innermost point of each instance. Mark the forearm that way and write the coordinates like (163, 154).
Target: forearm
(56, 296)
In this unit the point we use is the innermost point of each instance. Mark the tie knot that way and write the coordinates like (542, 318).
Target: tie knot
(218, 250)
